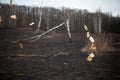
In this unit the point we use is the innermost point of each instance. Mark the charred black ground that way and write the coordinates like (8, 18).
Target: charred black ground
(53, 58)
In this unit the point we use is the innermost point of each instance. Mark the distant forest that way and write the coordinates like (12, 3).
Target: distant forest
(52, 17)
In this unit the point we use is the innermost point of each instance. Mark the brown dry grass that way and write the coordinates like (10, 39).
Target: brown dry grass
(103, 43)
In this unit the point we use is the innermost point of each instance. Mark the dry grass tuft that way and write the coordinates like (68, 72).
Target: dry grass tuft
(103, 43)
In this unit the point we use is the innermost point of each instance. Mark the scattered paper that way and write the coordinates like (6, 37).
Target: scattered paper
(88, 34)
(92, 55)
(86, 28)
(89, 58)
(91, 39)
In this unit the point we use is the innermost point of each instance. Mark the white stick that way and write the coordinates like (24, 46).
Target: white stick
(11, 2)
(39, 24)
(68, 29)
(38, 36)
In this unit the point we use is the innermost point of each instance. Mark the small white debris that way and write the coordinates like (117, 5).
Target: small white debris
(88, 34)
(21, 45)
(92, 55)
(89, 58)
(13, 17)
(32, 23)
(91, 39)
(86, 28)
(65, 63)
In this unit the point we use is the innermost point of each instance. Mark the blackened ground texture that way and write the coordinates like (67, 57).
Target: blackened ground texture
(53, 58)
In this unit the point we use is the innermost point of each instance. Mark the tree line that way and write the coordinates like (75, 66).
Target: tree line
(97, 22)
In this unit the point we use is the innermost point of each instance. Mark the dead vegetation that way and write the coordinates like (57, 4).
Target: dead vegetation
(103, 43)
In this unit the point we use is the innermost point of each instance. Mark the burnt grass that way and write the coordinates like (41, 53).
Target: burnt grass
(53, 58)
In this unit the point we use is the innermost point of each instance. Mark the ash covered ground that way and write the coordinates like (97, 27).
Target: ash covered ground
(53, 58)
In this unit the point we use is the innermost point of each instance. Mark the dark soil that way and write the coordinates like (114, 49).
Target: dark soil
(53, 58)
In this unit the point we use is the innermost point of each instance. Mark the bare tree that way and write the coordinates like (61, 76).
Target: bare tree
(48, 19)
(98, 22)
(39, 24)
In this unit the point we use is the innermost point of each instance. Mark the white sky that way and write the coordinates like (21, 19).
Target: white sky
(91, 5)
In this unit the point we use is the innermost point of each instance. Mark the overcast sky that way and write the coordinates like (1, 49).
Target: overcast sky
(111, 6)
